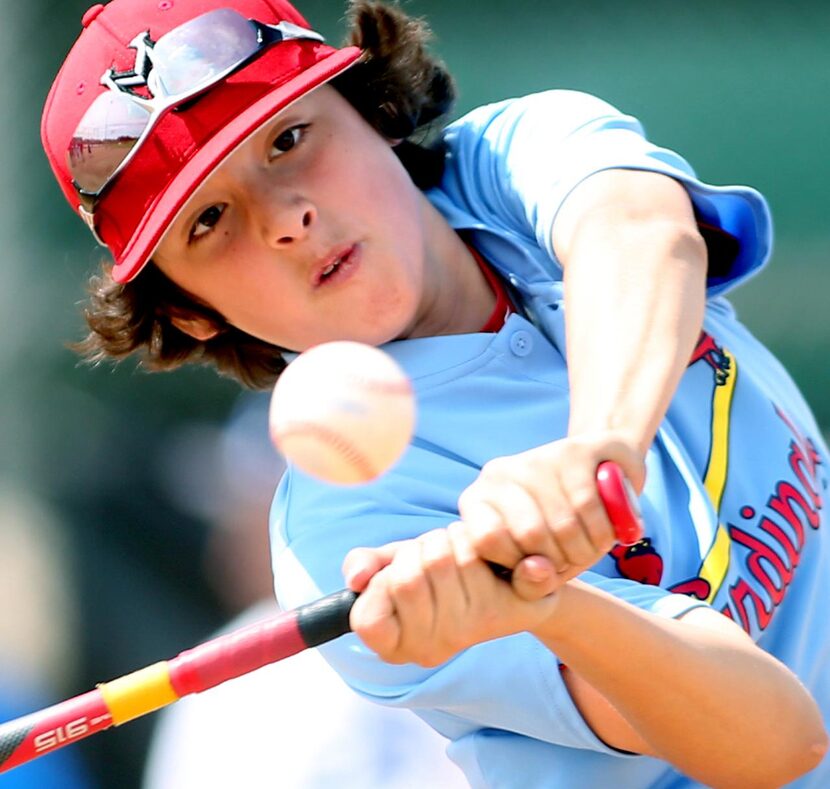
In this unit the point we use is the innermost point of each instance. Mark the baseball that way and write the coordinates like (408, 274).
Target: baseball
(343, 412)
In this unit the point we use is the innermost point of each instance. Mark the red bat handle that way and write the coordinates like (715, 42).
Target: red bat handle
(229, 656)
(620, 503)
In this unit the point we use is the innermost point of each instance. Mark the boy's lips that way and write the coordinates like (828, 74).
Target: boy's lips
(336, 266)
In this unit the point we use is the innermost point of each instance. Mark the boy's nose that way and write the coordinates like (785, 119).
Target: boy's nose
(285, 222)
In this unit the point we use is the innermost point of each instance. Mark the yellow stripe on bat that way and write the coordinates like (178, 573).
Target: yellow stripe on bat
(136, 694)
(716, 562)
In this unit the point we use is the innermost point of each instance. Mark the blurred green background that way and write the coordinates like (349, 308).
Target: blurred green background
(90, 457)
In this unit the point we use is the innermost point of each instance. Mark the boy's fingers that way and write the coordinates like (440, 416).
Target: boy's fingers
(518, 502)
(535, 577)
(583, 495)
(412, 594)
(472, 571)
(373, 618)
(361, 564)
(487, 530)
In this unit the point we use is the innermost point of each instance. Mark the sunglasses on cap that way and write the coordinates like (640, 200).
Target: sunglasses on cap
(176, 69)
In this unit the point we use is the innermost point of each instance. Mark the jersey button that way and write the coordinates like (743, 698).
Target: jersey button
(521, 343)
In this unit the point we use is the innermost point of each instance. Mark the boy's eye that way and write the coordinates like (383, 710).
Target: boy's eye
(207, 220)
(286, 140)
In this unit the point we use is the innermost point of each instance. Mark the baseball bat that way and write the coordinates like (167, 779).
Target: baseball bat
(228, 656)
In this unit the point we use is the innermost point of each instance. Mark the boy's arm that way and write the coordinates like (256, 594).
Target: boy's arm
(635, 277)
(635, 284)
(696, 692)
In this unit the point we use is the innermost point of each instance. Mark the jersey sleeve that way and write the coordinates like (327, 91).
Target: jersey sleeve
(525, 693)
(515, 163)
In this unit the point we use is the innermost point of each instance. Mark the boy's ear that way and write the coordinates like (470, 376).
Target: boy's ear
(200, 329)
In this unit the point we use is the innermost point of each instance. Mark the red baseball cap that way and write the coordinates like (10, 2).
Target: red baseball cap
(182, 149)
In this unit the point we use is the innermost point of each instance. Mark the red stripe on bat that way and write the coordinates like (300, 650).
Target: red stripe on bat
(226, 657)
(41, 732)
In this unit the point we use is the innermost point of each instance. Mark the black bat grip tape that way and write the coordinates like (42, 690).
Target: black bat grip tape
(326, 619)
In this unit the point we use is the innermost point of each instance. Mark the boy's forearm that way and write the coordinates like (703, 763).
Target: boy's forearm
(706, 700)
(630, 340)
(635, 294)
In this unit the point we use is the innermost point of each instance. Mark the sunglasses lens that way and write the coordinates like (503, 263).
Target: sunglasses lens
(195, 54)
(185, 62)
(104, 138)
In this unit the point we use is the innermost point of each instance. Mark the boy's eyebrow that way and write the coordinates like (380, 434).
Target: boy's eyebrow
(292, 113)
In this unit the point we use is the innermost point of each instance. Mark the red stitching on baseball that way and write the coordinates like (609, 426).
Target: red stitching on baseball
(335, 441)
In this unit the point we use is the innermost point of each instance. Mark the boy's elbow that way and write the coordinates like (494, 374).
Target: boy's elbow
(815, 738)
(774, 768)
(807, 750)
(818, 750)
(796, 740)
(815, 750)
(794, 745)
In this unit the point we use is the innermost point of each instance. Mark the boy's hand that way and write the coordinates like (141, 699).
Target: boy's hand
(424, 600)
(538, 514)
(545, 502)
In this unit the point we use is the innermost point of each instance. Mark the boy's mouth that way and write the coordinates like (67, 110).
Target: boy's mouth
(336, 265)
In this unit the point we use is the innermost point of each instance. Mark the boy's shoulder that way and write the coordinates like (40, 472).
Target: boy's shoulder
(566, 108)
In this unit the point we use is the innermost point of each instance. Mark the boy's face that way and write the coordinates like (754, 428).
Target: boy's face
(310, 231)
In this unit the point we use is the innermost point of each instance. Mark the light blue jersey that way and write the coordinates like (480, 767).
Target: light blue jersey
(737, 475)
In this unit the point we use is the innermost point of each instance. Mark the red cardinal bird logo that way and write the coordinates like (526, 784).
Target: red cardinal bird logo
(639, 562)
(710, 352)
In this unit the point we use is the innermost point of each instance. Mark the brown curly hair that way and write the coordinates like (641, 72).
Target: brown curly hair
(400, 89)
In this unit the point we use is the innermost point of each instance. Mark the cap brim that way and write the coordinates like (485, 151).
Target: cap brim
(170, 202)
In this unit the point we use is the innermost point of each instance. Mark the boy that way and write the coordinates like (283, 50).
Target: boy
(260, 194)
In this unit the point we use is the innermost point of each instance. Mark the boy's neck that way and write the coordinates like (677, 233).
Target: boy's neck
(457, 297)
